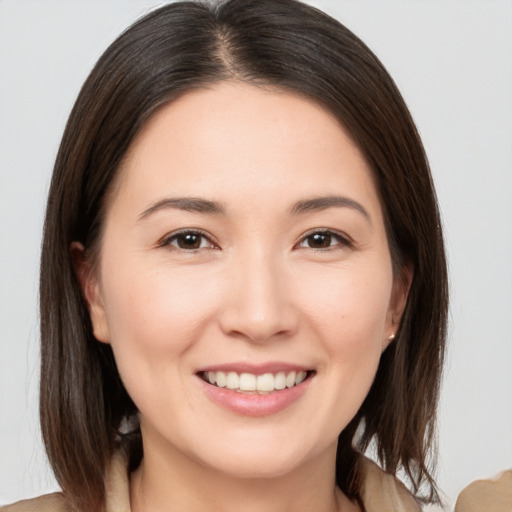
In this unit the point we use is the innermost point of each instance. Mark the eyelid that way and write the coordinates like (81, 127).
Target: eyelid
(165, 241)
(344, 239)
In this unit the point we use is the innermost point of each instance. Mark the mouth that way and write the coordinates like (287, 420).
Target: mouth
(250, 383)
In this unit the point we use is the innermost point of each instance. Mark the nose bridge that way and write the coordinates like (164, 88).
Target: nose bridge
(259, 304)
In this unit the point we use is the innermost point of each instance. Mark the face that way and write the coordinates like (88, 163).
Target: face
(244, 280)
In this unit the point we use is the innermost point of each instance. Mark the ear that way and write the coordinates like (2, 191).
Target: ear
(401, 285)
(91, 291)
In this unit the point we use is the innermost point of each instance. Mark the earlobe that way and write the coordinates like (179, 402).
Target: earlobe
(90, 288)
(401, 286)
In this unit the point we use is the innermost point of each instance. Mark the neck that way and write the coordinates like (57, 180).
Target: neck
(169, 480)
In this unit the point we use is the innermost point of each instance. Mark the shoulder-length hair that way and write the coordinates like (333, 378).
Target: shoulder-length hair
(290, 46)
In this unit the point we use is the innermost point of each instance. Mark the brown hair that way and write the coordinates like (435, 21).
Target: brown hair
(285, 44)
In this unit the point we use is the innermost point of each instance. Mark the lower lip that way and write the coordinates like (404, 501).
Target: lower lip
(253, 404)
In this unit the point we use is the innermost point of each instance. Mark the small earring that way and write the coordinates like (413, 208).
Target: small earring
(391, 337)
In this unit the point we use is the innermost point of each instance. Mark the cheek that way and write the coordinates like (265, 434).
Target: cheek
(348, 305)
(348, 312)
(155, 317)
(345, 310)
(156, 310)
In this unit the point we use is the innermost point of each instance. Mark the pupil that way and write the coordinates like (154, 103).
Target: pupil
(189, 241)
(320, 240)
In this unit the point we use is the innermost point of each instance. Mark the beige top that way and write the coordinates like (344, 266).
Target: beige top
(381, 493)
(493, 495)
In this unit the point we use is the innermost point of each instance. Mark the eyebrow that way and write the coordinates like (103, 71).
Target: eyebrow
(189, 204)
(200, 205)
(317, 204)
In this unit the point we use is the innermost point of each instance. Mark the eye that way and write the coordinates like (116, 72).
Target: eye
(188, 240)
(324, 239)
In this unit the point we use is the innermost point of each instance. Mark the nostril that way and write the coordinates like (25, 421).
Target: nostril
(258, 328)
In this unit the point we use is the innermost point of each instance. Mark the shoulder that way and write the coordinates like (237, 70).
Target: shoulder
(48, 503)
(382, 491)
(494, 494)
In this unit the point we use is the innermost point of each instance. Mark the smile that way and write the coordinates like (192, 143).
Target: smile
(255, 384)
(255, 390)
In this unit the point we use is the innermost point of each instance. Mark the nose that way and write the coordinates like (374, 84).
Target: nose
(258, 305)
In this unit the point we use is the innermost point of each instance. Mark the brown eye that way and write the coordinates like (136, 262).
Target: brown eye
(188, 241)
(324, 240)
(319, 240)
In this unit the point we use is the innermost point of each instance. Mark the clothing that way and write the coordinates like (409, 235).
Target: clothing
(493, 495)
(381, 492)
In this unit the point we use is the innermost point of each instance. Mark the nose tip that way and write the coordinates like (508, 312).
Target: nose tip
(259, 307)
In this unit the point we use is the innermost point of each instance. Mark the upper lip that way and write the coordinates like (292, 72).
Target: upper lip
(255, 369)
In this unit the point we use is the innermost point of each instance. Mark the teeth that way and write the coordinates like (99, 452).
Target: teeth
(265, 382)
(248, 382)
(221, 379)
(300, 377)
(280, 381)
(232, 380)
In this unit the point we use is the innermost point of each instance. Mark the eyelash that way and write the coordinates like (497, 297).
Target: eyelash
(167, 241)
(341, 239)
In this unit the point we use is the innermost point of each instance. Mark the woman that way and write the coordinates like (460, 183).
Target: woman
(243, 279)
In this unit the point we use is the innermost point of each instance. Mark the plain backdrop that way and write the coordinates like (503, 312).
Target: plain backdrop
(452, 61)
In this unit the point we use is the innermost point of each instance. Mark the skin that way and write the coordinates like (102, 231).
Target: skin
(256, 288)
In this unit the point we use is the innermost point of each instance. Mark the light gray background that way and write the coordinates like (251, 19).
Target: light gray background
(453, 62)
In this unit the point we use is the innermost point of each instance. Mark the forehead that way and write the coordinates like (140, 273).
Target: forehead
(240, 140)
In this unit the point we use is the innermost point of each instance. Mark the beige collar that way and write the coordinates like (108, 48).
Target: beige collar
(117, 486)
(381, 491)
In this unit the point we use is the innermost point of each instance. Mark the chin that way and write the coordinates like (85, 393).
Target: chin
(265, 457)
(258, 466)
